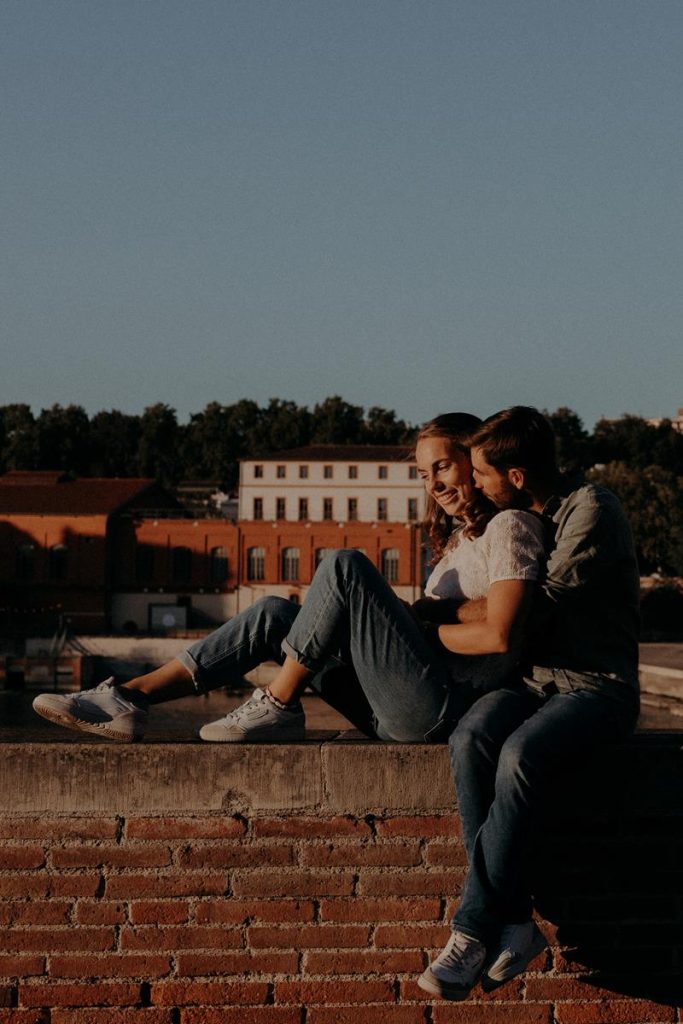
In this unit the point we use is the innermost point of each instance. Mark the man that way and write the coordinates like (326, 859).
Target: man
(578, 690)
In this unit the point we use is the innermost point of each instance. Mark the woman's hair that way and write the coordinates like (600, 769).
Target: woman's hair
(456, 427)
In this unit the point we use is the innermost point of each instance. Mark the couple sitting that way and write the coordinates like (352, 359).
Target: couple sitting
(523, 666)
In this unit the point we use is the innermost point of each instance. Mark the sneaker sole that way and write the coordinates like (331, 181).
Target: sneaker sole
(68, 721)
(251, 738)
(488, 984)
(431, 984)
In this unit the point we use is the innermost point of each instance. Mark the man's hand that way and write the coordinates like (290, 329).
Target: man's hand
(472, 611)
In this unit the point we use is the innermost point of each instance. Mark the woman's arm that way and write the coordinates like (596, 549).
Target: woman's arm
(507, 606)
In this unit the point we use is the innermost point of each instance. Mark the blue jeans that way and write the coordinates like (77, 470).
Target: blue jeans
(370, 658)
(506, 753)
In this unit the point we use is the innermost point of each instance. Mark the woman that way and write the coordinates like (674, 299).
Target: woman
(398, 673)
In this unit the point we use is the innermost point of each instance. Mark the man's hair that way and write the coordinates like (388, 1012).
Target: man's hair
(518, 438)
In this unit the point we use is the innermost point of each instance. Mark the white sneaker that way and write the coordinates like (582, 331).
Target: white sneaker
(518, 945)
(456, 969)
(103, 710)
(259, 720)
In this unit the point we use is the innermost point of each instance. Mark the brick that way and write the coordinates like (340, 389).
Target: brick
(307, 993)
(448, 855)
(58, 828)
(209, 993)
(364, 962)
(131, 965)
(7, 994)
(311, 936)
(553, 988)
(21, 966)
(121, 1015)
(189, 883)
(235, 855)
(37, 912)
(41, 1016)
(410, 883)
(242, 1015)
(292, 883)
(242, 962)
(488, 1013)
(395, 936)
(18, 886)
(180, 938)
(184, 828)
(510, 993)
(391, 1014)
(420, 826)
(336, 855)
(151, 855)
(373, 910)
(79, 995)
(160, 912)
(100, 912)
(74, 885)
(311, 828)
(47, 939)
(614, 1011)
(17, 858)
(244, 911)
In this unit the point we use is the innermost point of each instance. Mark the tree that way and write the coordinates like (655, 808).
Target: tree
(114, 443)
(282, 425)
(382, 427)
(63, 436)
(574, 448)
(160, 443)
(18, 438)
(337, 422)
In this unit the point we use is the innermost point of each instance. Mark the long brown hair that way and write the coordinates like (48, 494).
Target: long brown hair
(455, 427)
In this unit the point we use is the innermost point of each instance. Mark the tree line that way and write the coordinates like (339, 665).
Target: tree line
(643, 464)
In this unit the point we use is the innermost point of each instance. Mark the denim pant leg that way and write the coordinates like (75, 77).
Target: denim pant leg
(567, 726)
(242, 643)
(351, 608)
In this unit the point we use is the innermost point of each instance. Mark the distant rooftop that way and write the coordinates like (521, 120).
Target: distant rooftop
(53, 493)
(339, 453)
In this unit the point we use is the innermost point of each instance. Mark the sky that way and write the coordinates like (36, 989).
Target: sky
(426, 205)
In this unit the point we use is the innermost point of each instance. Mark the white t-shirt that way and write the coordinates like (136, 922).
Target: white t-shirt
(510, 548)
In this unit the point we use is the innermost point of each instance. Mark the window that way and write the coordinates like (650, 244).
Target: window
(303, 472)
(218, 566)
(144, 563)
(280, 508)
(290, 564)
(382, 472)
(181, 565)
(303, 508)
(320, 554)
(389, 564)
(353, 472)
(281, 472)
(412, 472)
(412, 509)
(327, 508)
(352, 510)
(381, 510)
(57, 562)
(258, 508)
(258, 472)
(26, 561)
(328, 472)
(256, 564)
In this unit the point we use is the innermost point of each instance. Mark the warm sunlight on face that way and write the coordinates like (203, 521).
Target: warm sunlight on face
(493, 484)
(446, 473)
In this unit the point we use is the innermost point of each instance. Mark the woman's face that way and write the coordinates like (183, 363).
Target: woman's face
(446, 472)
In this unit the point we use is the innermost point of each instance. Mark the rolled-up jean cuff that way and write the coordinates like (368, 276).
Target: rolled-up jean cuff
(186, 659)
(309, 663)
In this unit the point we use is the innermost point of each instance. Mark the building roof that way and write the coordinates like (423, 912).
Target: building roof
(51, 493)
(340, 453)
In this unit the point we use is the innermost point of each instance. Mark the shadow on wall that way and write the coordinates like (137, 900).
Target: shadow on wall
(610, 871)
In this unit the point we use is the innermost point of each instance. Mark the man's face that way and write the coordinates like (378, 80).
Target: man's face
(496, 485)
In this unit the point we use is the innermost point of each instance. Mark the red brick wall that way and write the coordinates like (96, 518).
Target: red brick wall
(310, 920)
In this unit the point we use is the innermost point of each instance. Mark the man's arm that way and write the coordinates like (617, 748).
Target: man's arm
(507, 606)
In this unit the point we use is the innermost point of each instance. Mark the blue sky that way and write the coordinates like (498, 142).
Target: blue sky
(423, 205)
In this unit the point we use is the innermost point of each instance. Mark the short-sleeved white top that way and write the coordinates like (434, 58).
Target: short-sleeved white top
(511, 548)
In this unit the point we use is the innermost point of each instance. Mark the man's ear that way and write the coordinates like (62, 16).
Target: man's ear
(517, 478)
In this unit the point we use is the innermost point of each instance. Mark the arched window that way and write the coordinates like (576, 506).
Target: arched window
(181, 565)
(389, 564)
(144, 563)
(219, 565)
(256, 564)
(57, 562)
(26, 561)
(290, 564)
(320, 554)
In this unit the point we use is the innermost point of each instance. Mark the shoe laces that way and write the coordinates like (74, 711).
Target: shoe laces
(461, 950)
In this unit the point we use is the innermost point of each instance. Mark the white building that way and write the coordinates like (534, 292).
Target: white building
(335, 483)
(676, 421)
